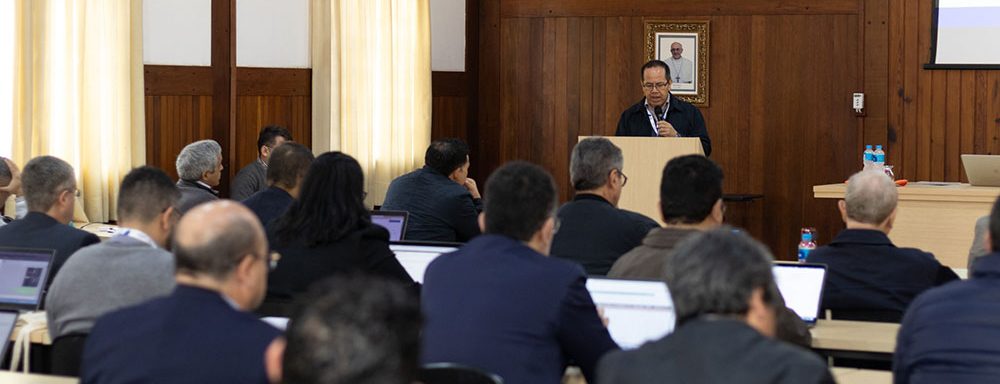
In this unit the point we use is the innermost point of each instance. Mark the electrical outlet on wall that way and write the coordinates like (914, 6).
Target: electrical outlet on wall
(859, 103)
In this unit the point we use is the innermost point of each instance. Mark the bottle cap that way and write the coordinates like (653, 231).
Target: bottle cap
(878, 147)
(869, 146)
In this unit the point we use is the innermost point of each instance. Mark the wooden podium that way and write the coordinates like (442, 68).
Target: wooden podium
(644, 161)
(936, 217)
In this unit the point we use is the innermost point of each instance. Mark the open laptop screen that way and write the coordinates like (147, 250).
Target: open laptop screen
(23, 275)
(802, 287)
(7, 321)
(637, 311)
(394, 221)
(416, 257)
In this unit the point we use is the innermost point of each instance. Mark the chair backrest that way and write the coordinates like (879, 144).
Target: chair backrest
(450, 373)
(67, 354)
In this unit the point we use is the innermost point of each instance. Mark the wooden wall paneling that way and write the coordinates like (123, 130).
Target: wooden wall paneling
(952, 128)
(939, 113)
(911, 88)
(487, 151)
(562, 8)
(254, 112)
(224, 86)
(924, 105)
(875, 68)
(171, 123)
(449, 117)
(600, 65)
(173, 80)
(968, 119)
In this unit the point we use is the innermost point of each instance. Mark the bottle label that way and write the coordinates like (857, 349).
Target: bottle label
(803, 254)
(880, 158)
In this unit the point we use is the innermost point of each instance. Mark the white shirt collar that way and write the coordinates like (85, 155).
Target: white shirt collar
(138, 235)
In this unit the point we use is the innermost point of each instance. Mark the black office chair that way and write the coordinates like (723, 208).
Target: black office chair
(67, 354)
(450, 373)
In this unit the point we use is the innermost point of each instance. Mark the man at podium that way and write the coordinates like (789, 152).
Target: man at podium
(660, 113)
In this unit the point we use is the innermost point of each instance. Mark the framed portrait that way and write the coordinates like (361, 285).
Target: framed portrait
(684, 46)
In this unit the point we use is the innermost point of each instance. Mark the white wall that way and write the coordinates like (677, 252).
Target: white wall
(448, 35)
(272, 33)
(177, 32)
(269, 33)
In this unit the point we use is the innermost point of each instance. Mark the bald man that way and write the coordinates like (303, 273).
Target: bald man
(869, 277)
(202, 332)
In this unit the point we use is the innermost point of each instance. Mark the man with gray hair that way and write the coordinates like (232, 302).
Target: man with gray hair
(199, 167)
(726, 300)
(202, 332)
(869, 278)
(49, 186)
(593, 231)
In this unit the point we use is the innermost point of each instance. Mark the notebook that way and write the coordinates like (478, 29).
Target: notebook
(801, 285)
(7, 321)
(983, 170)
(23, 276)
(416, 256)
(638, 311)
(394, 221)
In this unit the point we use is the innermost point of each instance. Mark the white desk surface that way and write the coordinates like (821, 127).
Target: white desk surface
(25, 378)
(859, 336)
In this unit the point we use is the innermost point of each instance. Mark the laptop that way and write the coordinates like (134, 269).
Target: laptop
(394, 221)
(638, 311)
(801, 284)
(8, 319)
(23, 276)
(415, 256)
(983, 170)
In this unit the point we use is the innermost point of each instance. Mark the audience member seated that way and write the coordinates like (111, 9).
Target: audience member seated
(725, 299)
(202, 332)
(869, 278)
(288, 166)
(593, 231)
(978, 247)
(127, 269)
(10, 184)
(252, 178)
(354, 330)
(328, 230)
(499, 304)
(49, 186)
(442, 200)
(199, 166)
(690, 202)
(949, 333)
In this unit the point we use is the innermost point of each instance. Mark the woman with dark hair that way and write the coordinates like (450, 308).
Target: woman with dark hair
(328, 230)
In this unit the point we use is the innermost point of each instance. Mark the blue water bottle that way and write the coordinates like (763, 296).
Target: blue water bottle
(806, 245)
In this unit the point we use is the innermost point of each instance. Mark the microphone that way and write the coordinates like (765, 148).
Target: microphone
(657, 113)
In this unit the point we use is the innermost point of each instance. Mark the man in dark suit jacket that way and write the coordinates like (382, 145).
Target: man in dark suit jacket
(202, 332)
(726, 300)
(593, 231)
(868, 277)
(199, 166)
(443, 201)
(288, 166)
(677, 118)
(49, 186)
(949, 333)
(499, 304)
(252, 178)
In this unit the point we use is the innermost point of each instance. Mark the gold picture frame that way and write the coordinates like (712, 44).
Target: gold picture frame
(689, 68)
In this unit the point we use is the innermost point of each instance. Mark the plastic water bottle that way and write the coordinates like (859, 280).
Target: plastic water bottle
(868, 158)
(806, 245)
(879, 163)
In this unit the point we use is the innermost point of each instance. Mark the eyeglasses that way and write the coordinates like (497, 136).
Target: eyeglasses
(676, 49)
(650, 86)
(624, 178)
(74, 191)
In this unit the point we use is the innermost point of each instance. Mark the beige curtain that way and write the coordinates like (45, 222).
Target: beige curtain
(78, 92)
(372, 85)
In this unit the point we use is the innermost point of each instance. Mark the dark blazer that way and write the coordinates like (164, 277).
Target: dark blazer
(497, 305)
(193, 194)
(685, 118)
(41, 231)
(365, 250)
(595, 234)
(866, 272)
(191, 336)
(719, 351)
(440, 209)
(950, 333)
(269, 204)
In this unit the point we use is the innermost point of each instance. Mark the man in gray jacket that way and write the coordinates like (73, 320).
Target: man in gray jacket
(127, 269)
